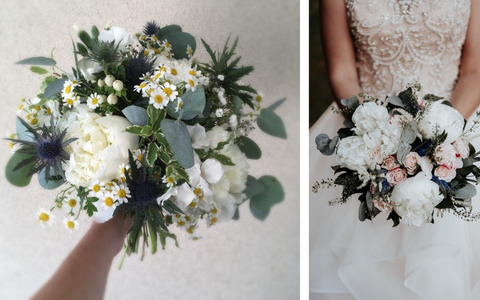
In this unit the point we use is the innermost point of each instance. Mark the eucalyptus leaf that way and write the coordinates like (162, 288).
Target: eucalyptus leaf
(56, 179)
(363, 211)
(22, 132)
(324, 144)
(166, 30)
(237, 105)
(395, 100)
(179, 42)
(249, 147)
(344, 101)
(54, 88)
(276, 104)
(261, 203)
(192, 106)
(136, 115)
(466, 192)
(179, 140)
(353, 103)
(38, 61)
(19, 177)
(408, 136)
(254, 187)
(38, 70)
(269, 122)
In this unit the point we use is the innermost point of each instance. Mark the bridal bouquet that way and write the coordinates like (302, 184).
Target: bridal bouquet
(404, 157)
(140, 128)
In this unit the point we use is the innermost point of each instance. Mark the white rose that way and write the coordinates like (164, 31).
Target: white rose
(217, 135)
(352, 152)
(88, 68)
(369, 116)
(440, 117)
(117, 34)
(101, 145)
(415, 198)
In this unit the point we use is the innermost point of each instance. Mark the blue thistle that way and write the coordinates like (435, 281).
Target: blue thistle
(441, 183)
(150, 28)
(46, 151)
(425, 149)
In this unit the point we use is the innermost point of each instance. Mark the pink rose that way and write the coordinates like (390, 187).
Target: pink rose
(383, 206)
(458, 163)
(462, 148)
(411, 162)
(396, 176)
(390, 163)
(374, 158)
(445, 173)
(445, 154)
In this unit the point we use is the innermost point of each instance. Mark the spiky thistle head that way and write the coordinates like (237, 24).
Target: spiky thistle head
(106, 52)
(46, 150)
(150, 28)
(138, 65)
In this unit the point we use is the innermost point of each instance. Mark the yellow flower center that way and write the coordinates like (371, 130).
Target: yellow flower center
(214, 211)
(108, 201)
(192, 72)
(158, 99)
(187, 218)
(72, 202)
(197, 191)
(142, 85)
(70, 224)
(68, 89)
(213, 221)
(178, 216)
(96, 188)
(94, 101)
(49, 111)
(190, 229)
(259, 98)
(122, 193)
(168, 91)
(34, 121)
(167, 44)
(190, 82)
(170, 180)
(181, 223)
(10, 144)
(69, 102)
(20, 107)
(140, 157)
(44, 217)
(38, 108)
(150, 91)
(193, 204)
(28, 117)
(174, 71)
(163, 69)
(145, 52)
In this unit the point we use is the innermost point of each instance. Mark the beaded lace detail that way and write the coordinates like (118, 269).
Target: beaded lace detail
(399, 42)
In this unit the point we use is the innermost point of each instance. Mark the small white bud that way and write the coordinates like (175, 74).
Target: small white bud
(76, 28)
(219, 113)
(118, 85)
(221, 77)
(233, 121)
(112, 99)
(103, 99)
(107, 27)
(109, 80)
(101, 83)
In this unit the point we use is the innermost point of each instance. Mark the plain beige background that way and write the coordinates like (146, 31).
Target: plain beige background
(247, 259)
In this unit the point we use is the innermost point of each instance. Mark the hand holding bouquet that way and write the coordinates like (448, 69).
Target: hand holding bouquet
(404, 157)
(140, 127)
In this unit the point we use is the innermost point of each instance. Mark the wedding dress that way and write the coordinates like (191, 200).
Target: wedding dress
(397, 42)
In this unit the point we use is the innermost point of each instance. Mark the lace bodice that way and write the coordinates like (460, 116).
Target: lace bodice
(399, 42)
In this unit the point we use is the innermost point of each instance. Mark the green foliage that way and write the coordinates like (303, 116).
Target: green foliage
(19, 177)
(261, 203)
(54, 180)
(192, 106)
(269, 122)
(54, 88)
(179, 42)
(89, 205)
(38, 70)
(162, 32)
(178, 138)
(249, 147)
(224, 160)
(136, 115)
(38, 61)
(152, 154)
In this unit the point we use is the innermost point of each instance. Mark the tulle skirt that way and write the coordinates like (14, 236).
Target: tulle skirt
(350, 259)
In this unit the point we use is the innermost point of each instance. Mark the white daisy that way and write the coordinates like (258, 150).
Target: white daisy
(68, 88)
(192, 83)
(12, 145)
(93, 101)
(170, 181)
(124, 169)
(45, 217)
(138, 156)
(179, 104)
(72, 202)
(189, 51)
(259, 97)
(141, 87)
(159, 99)
(72, 101)
(107, 202)
(96, 189)
(170, 90)
(121, 193)
(166, 46)
(70, 223)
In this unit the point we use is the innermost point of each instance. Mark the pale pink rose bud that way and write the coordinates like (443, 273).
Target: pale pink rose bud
(383, 206)
(445, 173)
(374, 158)
(462, 148)
(411, 162)
(458, 163)
(390, 163)
(445, 154)
(396, 176)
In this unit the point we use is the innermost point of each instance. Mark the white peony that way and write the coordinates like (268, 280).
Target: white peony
(217, 135)
(415, 198)
(440, 117)
(101, 145)
(352, 153)
(368, 117)
(387, 139)
(88, 68)
(117, 34)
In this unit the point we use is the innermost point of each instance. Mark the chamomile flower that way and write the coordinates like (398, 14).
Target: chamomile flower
(170, 90)
(45, 217)
(159, 99)
(68, 88)
(93, 101)
(124, 169)
(179, 104)
(189, 51)
(70, 223)
(121, 193)
(259, 97)
(166, 46)
(138, 157)
(96, 189)
(108, 202)
(170, 181)
(72, 202)
(151, 87)
(212, 217)
(192, 84)
(72, 101)
(141, 87)
(12, 145)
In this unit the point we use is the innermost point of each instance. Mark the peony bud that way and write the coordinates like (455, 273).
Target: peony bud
(103, 99)
(109, 80)
(101, 83)
(118, 85)
(112, 99)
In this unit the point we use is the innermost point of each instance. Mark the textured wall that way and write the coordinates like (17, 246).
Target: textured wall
(247, 259)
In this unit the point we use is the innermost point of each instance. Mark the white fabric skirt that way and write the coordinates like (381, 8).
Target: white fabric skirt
(350, 259)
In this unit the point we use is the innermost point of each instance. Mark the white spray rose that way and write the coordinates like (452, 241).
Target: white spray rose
(198, 136)
(117, 34)
(368, 117)
(217, 135)
(88, 68)
(440, 117)
(351, 153)
(415, 198)
(101, 145)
